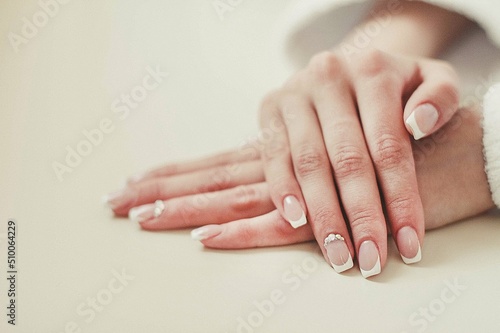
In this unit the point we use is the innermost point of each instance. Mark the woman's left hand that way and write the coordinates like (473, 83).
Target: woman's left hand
(226, 196)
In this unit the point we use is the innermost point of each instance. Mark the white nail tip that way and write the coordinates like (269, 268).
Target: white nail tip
(137, 177)
(135, 213)
(342, 268)
(105, 199)
(298, 223)
(412, 122)
(413, 260)
(374, 271)
(198, 234)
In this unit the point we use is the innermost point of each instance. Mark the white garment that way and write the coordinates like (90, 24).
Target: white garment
(311, 26)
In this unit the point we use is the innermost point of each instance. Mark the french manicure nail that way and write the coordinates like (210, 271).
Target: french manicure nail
(142, 213)
(422, 120)
(137, 177)
(119, 198)
(293, 212)
(206, 232)
(409, 246)
(109, 198)
(338, 253)
(369, 259)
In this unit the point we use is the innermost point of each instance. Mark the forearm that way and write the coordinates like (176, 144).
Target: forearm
(408, 27)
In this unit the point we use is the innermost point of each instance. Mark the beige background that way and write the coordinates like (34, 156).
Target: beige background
(64, 80)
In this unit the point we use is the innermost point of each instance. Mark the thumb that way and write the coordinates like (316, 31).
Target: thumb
(434, 101)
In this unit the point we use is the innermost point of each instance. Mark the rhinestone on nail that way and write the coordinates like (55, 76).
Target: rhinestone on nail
(332, 237)
(159, 207)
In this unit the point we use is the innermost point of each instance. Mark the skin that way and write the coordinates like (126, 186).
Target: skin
(308, 116)
(338, 113)
(451, 180)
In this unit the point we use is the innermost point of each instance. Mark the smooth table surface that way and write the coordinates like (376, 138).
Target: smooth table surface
(66, 79)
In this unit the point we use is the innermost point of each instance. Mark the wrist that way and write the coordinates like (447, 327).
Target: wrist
(450, 171)
(433, 27)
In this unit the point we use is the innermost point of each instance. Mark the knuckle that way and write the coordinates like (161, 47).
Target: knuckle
(371, 63)
(283, 230)
(218, 179)
(244, 197)
(268, 104)
(167, 170)
(294, 81)
(446, 67)
(402, 208)
(363, 219)
(293, 104)
(248, 234)
(324, 218)
(292, 101)
(274, 149)
(279, 185)
(269, 100)
(389, 152)
(309, 160)
(448, 92)
(188, 212)
(157, 189)
(326, 66)
(348, 161)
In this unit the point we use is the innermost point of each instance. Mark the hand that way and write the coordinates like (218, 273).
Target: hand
(450, 174)
(346, 115)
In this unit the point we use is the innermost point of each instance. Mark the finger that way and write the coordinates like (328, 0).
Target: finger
(313, 172)
(353, 173)
(237, 203)
(379, 101)
(277, 162)
(246, 152)
(262, 231)
(203, 181)
(434, 101)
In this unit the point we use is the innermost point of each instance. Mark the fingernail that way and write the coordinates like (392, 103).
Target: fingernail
(137, 177)
(206, 232)
(422, 120)
(409, 246)
(142, 213)
(338, 253)
(147, 212)
(293, 212)
(119, 198)
(369, 259)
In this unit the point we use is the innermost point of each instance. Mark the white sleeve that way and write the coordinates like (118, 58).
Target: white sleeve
(491, 140)
(310, 26)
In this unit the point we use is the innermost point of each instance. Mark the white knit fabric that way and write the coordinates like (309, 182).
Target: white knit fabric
(491, 140)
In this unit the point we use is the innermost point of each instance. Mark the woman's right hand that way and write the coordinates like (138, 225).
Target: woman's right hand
(348, 114)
